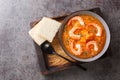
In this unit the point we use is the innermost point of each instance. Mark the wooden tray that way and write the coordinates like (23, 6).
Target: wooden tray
(50, 63)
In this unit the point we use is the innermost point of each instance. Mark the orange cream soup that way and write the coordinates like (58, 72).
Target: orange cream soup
(87, 34)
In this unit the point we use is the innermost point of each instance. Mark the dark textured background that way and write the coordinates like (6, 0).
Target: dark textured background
(18, 60)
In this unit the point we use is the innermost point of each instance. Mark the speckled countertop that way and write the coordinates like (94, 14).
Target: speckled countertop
(18, 60)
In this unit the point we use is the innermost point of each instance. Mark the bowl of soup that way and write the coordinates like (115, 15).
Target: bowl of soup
(84, 36)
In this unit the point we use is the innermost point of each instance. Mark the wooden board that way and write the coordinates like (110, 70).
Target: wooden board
(50, 63)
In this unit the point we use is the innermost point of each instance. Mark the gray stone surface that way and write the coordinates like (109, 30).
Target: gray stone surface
(18, 60)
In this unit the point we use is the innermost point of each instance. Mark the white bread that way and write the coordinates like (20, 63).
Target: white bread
(34, 33)
(48, 28)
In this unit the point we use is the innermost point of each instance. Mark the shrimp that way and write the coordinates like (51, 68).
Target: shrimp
(72, 34)
(77, 18)
(99, 33)
(92, 43)
(78, 46)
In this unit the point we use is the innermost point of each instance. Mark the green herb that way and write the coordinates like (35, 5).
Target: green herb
(85, 53)
(65, 29)
(67, 41)
(93, 31)
(99, 43)
(91, 19)
(80, 34)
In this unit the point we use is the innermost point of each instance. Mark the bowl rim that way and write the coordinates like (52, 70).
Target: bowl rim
(105, 27)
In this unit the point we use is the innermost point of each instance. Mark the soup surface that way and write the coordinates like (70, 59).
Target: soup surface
(84, 36)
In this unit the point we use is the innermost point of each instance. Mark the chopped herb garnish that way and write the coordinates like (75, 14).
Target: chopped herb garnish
(85, 53)
(80, 34)
(67, 41)
(65, 29)
(99, 43)
(93, 31)
(91, 19)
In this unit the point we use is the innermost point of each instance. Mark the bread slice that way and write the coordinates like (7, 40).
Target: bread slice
(48, 28)
(34, 33)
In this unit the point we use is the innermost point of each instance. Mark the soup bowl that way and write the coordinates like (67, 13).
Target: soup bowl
(107, 41)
